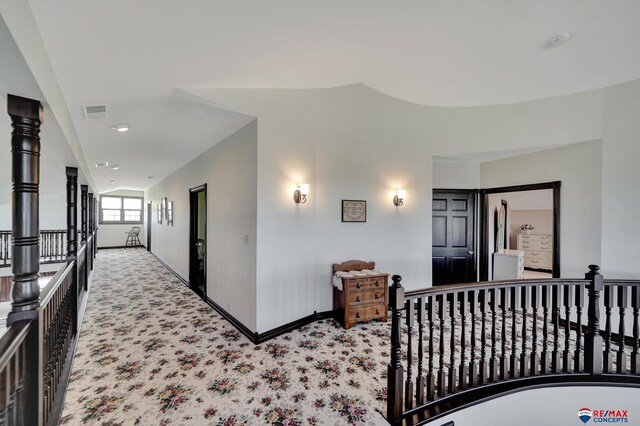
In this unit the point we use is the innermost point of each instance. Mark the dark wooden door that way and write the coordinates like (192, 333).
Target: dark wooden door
(198, 240)
(453, 242)
(149, 218)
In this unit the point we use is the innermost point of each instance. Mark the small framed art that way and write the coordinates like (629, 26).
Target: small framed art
(170, 213)
(354, 211)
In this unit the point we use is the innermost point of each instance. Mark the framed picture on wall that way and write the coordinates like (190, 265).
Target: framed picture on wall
(160, 213)
(163, 207)
(170, 213)
(354, 211)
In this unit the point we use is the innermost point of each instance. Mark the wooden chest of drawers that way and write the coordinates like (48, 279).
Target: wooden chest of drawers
(362, 299)
(538, 250)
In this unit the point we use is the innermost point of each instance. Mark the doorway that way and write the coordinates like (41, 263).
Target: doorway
(453, 236)
(198, 240)
(539, 256)
(149, 217)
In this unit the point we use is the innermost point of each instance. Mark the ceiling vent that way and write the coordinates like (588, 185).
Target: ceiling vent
(101, 165)
(94, 112)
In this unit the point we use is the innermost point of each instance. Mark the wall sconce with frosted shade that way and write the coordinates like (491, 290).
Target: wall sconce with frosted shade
(300, 194)
(398, 199)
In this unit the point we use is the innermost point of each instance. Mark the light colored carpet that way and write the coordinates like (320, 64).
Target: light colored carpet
(151, 352)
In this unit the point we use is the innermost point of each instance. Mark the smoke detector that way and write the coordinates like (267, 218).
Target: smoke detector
(94, 112)
(559, 40)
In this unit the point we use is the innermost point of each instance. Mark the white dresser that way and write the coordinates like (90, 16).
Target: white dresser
(508, 265)
(538, 250)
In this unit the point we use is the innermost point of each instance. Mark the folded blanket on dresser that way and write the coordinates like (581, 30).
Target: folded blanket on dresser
(337, 277)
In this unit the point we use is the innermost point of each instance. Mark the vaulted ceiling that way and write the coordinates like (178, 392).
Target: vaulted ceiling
(135, 55)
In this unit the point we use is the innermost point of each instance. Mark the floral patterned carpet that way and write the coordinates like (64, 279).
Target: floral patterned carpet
(152, 353)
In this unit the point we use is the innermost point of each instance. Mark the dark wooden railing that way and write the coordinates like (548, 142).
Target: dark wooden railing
(50, 353)
(487, 339)
(37, 348)
(58, 326)
(13, 370)
(52, 247)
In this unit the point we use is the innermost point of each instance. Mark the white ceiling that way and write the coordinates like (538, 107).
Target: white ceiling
(133, 55)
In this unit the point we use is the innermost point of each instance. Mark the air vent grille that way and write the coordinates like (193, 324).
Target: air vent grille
(94, 112)
(101, 165)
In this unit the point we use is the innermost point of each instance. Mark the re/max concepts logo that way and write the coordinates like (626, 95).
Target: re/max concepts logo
(603, 416)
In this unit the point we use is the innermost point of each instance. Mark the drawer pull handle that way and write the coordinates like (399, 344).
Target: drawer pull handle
(357, 285)
(357, 298)
(377, 312)
(377, 297)
(377, 284)
(357, 315)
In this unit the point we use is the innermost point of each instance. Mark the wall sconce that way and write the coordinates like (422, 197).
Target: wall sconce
(398, 199)
(300, 194)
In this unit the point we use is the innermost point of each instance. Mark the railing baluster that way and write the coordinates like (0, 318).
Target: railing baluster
(635, 304)
(546, 302)
(524, 355)
(420, 384)
(621, 359)
(555, 355)
(578, 357)
(483, 299)
(504, 365)
(535, 304)
(451, 388)
(493, 363)
(568, 296)
(441, 374)
(463, 372)
(408, 385)
(473, 369)
(515, 302)
(430, 376)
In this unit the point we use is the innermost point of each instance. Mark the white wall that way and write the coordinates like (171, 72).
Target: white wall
(558, 405)
(456, 175)
(347, 143)
(620, 183)
(230, 171)
(579, 168)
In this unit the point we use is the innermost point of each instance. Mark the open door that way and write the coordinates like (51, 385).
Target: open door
(198, 240)
(149, 221)
(542, 247)
(453, 236)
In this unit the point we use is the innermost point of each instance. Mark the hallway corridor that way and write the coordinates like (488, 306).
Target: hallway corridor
(152, 353)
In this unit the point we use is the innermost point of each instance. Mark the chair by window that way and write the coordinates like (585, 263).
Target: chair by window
(133, 239)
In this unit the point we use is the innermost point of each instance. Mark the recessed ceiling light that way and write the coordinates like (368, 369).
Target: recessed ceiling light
(112, 181)
(101, 165)
(120, 127)
(559, 40)
(115, 167)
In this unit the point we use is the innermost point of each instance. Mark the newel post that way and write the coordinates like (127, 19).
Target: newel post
(26, 117)
(593, 340)
(394, 369)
